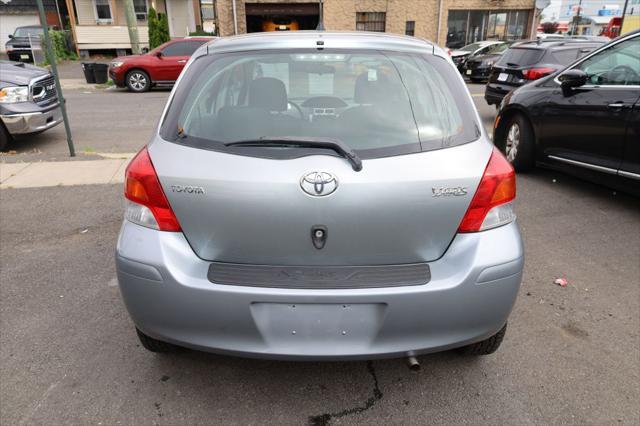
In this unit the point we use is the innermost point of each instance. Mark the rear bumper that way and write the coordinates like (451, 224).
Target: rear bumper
(478, 73)
(494, 93)
(32, 122)
(472, 290)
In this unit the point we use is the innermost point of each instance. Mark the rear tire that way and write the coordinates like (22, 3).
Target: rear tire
(485, 347)
(518, 143)
(5, 138)
(154, 345)
(138, 81)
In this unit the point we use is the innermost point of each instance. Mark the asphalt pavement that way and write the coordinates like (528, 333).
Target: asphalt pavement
(69, 353)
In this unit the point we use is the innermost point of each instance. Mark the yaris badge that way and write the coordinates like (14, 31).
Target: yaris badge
(319, 184)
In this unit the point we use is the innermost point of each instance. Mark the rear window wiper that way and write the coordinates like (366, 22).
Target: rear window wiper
(305, 142)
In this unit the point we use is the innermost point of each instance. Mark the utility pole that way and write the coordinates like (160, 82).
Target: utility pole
(576, 19)
(132, 25)
(52, 60)
(624, 14)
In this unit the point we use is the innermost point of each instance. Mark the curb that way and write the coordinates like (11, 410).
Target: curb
(110, 170)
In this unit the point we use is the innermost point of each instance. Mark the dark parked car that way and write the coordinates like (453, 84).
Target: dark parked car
(161, 66)
(531, 60)
(459, 56)
(20, 42)
(28, 101)
(584, 119)
(477, 67)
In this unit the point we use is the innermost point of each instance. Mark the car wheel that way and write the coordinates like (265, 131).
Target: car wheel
(155, 345)
(5, 138)
(138, 81)
(485, 347)
(519, 142)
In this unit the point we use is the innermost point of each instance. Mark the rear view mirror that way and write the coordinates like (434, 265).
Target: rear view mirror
(572, 78)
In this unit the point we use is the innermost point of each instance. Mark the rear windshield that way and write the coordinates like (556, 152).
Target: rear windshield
(378, 103)
(517, 57)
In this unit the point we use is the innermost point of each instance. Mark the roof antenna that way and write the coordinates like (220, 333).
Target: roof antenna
(320, 26)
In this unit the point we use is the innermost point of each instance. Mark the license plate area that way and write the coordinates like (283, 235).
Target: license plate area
(318, 328)
(503, 76)
(23, 56)
(468, 72)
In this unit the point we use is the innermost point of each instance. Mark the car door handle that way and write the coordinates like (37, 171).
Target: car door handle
(182, 61)
(616, 105)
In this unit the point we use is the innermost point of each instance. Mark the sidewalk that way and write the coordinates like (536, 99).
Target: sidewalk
(64, 173)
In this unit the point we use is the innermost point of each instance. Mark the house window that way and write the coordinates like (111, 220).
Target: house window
(410, 28)
(140, 7)
(370, 21)
(103, 10)
(208, 11)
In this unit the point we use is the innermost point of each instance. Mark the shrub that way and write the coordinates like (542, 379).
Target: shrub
(164, 28)
(61, 45)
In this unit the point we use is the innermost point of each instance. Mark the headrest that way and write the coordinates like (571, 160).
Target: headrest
(268, 93)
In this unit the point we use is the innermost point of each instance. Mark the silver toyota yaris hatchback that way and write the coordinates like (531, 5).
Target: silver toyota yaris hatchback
(318, 195)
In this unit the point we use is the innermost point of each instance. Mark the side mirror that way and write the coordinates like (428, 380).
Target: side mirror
(572, 78)
(158, 53)
(10, 36)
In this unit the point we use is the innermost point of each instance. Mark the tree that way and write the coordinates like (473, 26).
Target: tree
(550, 27)
(164, 28)
(154, 28)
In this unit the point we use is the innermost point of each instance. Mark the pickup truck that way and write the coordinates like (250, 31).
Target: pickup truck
(28, 101)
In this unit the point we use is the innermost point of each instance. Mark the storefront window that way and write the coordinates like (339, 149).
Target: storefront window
(470, 26)
(457, 28)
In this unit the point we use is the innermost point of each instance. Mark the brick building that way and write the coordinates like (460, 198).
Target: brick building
(451, 22)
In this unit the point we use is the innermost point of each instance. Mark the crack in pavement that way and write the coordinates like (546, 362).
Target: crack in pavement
(324, 419)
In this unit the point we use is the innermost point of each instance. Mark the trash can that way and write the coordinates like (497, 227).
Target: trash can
(101, 73)
(87, 69)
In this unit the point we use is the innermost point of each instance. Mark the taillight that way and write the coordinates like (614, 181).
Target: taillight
(147, 205)
(492, 203)
(536, 73)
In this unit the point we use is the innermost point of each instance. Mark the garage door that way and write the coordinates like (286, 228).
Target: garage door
(8, 24)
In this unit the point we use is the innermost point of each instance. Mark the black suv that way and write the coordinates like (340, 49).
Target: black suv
(531, 60)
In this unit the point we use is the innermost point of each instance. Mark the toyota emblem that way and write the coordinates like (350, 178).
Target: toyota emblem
(319, 184)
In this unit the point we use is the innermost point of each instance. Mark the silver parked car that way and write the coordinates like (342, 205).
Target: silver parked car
(317, 195)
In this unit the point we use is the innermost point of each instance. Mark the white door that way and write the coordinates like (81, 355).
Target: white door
(181, 17)
(8, 24)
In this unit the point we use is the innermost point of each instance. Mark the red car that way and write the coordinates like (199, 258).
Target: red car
(161, 66)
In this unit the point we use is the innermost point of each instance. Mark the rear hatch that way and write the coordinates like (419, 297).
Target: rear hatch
(385, 214)
(508, 72)
(240, 199)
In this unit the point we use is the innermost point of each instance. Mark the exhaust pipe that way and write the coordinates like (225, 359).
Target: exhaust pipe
(413, 363)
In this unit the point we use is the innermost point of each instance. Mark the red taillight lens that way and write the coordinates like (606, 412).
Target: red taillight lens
(497, 187)
(143, 187)
(536, 73)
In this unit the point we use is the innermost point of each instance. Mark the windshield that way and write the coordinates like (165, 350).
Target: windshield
(498, 48)
(377, 103)
(471, 47)
(25, 32)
